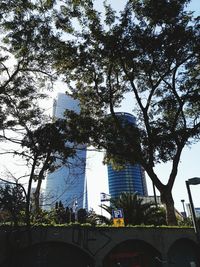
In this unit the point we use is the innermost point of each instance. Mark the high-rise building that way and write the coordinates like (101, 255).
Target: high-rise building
(131, 178)
(68, 182)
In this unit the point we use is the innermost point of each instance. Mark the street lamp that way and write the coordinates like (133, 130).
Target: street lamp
(193, 181)
(184, 212)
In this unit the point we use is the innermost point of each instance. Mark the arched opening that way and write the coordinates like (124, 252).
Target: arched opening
(133, 253)
(184, 253)
(51, 254)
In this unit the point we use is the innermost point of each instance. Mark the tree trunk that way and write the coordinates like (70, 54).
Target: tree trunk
(39, 183)
(37, 196)
(167, 200)
(28, 195)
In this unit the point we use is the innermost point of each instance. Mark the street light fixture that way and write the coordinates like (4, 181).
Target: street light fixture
(193, 181)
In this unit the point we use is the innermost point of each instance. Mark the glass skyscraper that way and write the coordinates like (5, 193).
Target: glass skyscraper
(132, 177)
(68, 182)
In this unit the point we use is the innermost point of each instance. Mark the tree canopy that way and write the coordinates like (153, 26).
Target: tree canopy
(27, 73)
(12, 202)
(23, 71)
(150, 49)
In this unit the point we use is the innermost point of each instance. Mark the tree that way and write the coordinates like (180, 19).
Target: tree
(152, 52)
(42, 146)
(96, 219)
(27, 40)
(60, 213)
(12, 201)
(135, 211)
(82, 215)
(45, 149)
(24, 73)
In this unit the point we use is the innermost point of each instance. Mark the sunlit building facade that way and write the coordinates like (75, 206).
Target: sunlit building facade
(131, 178)
(68, 182)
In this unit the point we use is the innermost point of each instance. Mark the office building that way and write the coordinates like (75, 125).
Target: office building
(68, 182)
(132, 177)
(189, 212)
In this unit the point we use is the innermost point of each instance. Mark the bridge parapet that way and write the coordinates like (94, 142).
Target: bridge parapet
(97, 242)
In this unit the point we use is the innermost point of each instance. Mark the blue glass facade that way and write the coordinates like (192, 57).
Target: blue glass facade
(68, 182)
(130, 179)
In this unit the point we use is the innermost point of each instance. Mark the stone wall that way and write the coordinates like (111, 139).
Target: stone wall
(99, 247)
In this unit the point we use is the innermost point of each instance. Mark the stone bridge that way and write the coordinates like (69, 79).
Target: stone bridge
(98, 247)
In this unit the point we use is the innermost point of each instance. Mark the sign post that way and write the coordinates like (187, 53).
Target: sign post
(118, 217)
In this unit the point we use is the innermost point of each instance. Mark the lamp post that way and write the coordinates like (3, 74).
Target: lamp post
(154, 194)
(193, 181)
(184, 211)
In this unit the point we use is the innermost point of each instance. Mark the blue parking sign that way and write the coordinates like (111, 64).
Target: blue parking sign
(117, 214)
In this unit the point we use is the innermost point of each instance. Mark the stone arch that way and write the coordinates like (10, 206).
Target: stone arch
(133, 253)
(184, 252)
(51, 254)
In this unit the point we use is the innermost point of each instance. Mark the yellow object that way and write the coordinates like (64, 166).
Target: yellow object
(118, 222)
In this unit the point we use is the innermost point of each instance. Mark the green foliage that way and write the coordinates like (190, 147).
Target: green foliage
(92, 218)
(82, 216)
(60, 216)
(25, 70)
(45, 149)
(135, 211)
(151, 50)
(25, 74)
(42, 217)
(187, 222)
(47, 143)
(12, 204)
